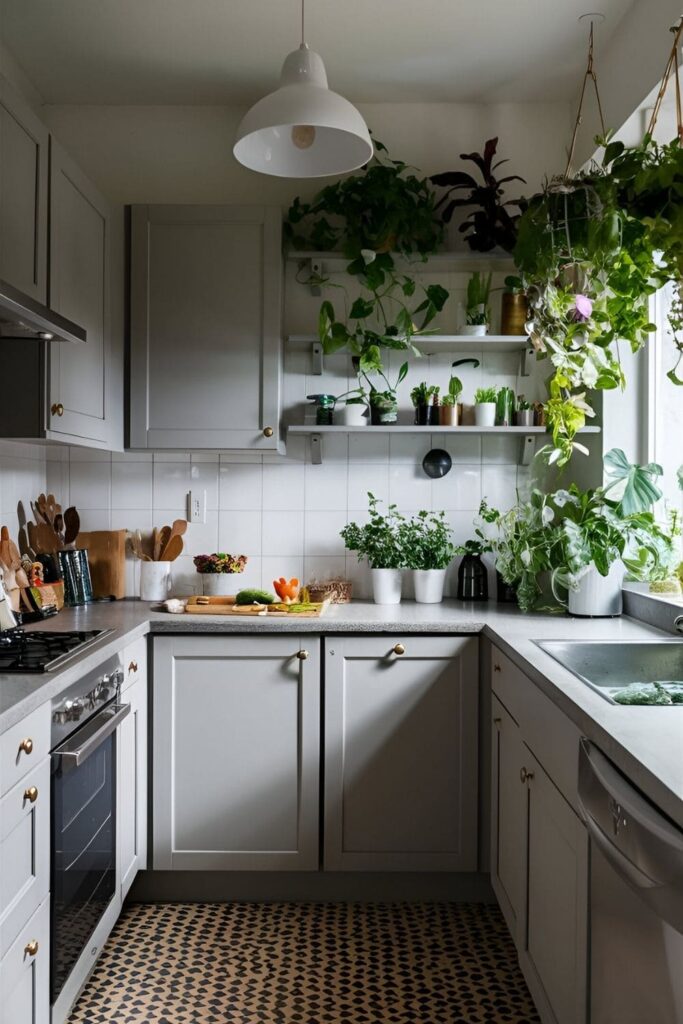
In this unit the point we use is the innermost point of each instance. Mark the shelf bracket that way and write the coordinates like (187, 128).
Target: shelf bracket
(317, 359)
(527, 449)
(316, 450)
(316, 274)
(524, 369)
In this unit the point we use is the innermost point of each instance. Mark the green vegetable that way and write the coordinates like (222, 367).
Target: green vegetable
(254, 597)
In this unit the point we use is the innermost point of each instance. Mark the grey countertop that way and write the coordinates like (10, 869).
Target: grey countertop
(645, 742)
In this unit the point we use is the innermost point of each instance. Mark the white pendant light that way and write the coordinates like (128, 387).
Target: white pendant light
(303, 129)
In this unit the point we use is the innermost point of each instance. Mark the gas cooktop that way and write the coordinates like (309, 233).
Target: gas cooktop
(43, 650)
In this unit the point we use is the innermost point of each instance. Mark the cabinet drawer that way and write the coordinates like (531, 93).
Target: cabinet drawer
(24, 851)
(23, 746)
(134, 662)
(25, 973)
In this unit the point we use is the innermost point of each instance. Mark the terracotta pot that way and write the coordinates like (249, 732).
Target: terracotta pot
(513, 315)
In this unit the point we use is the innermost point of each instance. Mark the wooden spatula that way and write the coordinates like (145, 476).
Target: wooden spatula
(72, 525)
(172, 549)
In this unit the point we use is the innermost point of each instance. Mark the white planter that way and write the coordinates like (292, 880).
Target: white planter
(474, 330)
(429, 584)
(485, 414)
(351, 415)
(598, 596)
(386, 585)
(218, 584)
(155, 581)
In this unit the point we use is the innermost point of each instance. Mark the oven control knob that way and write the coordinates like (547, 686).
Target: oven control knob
(59, 717)
(117, 677)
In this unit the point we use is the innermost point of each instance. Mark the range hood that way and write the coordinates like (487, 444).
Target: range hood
(24, 319)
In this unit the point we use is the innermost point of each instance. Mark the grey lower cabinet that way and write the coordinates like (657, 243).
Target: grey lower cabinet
(236, 725)
(25, 973)
(401, 742)
(23, 195)
(508, 817)
(205, 330)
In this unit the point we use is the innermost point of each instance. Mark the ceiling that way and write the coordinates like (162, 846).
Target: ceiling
(224, 51)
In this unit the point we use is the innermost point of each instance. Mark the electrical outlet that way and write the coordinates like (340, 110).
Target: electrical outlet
(196, 506)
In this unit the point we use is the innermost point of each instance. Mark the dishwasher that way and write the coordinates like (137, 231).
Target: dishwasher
(636, 899)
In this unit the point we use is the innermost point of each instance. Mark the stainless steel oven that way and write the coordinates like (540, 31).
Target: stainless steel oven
(84, 880)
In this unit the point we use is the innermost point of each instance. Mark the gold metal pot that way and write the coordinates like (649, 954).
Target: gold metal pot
(513, 313)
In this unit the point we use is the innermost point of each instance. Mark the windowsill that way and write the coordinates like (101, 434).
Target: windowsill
(660, 610)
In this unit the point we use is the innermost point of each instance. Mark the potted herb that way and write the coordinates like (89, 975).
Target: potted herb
(382, 541)
(514, 309)
(490, 224)
(477, 312)
(384, 401)
(217, 570)
(524, 416)
(505, 407)
(425, 402)
(485, 407)
(430, 551)
(448, 410)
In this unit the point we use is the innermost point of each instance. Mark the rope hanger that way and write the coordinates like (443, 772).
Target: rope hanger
(589, 75)
(672, 68)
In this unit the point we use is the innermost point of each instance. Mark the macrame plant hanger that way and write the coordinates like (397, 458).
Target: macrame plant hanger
(589, 76)
(671, 69)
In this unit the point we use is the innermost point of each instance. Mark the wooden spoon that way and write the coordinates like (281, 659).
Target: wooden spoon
(138, 548)
(32, 531)
(172, 549)
(163, 538)
(48, 541)
(72, 525)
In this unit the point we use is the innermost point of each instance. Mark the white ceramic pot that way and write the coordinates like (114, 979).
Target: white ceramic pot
(429, 584)
(485, 414)
(155, 581)
(474, 330)
(218, 584)
(387, 585)
(598, 596)
(353, 415)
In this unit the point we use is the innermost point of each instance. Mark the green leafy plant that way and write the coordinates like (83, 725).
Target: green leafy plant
(523, 405)
(428, 541)
(478, 293)
(514, 285)
(423, 394)
(483, 396)
(220, 563)
(491, 223)
(382, 540)
(454, 392)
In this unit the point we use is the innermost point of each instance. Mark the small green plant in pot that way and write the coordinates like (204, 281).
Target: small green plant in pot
(425, 399)
(477, 311)
(382, 542)
(217, 572)
(430, 551)
(524, 416)
(473, 577)
(448, 410)
(485, 406)
(384, 400)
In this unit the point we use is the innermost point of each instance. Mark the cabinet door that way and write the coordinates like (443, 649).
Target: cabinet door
(555, 949)
(77, 397)
(236, 752)
(205, 327)
(23, 195)
(25, 973)
(401, 720)
(132, 785)
(508, 817)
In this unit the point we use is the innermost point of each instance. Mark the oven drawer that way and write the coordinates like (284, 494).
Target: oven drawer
(25, 972)
(23, 746)
(24, 852)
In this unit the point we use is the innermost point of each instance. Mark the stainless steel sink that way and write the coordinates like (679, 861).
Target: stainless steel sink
(609, 665)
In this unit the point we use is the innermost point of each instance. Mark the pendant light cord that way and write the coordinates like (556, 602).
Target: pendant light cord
(588, 74)
(671, 68)
(303, 22)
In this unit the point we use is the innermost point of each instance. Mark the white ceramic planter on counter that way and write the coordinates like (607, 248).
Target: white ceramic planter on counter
(155, 581)
(387, 585)
(218, 584)
(597, 595)
(429, 584)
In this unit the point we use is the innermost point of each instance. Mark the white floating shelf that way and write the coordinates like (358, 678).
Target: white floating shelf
(459, 261)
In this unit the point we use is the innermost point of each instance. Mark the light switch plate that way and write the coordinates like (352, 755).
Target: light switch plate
(196, 506)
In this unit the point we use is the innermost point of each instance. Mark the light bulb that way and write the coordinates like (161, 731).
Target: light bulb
(303, 136)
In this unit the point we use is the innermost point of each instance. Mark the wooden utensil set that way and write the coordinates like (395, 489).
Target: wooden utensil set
(164, 545)
(52, 530)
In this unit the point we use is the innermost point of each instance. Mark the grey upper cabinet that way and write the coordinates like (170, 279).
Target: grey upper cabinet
(23, 195)
(206, 347)
(401, 769)
(236, 753)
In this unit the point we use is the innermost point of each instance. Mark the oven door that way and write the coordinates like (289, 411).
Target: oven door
(83, 838)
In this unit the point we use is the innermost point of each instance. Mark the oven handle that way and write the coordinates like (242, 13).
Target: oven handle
(110, 718)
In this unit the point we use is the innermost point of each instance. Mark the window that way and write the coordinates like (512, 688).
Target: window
(665, 405)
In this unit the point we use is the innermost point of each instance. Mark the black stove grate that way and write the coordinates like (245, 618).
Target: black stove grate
(35, 651)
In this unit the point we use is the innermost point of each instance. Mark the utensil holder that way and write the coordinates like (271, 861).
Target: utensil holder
(76, 575)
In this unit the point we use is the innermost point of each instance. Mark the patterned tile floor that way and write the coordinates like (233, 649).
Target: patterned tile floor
(307, 963)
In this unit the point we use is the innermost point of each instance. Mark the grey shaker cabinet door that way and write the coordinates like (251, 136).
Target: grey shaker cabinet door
(236, 760)
(25, 973)
(508, 817)
(206, 346)
(401, 745)
(132, 785)
(23, 195)
(79, 384)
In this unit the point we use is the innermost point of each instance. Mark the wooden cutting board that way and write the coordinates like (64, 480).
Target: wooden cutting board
(226, 606)
(107, 559)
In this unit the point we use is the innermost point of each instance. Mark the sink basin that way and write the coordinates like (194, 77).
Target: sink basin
(609, 665)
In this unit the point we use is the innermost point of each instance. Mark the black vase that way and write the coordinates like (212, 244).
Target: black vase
(473, 579)
(422, 415)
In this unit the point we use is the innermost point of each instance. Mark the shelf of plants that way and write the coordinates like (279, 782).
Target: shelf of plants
(432, 344)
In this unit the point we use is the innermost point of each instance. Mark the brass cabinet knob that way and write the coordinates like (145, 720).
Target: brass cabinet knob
(268, 432)
(133, 667)
(26, 745)
(57, 409)
(496, 721)
(31, 948)
(496, 668)
(31, 794)
(399, 649)
(302, 655)
(525, 776)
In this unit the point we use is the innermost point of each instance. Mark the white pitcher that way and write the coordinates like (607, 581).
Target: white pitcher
(155, 581)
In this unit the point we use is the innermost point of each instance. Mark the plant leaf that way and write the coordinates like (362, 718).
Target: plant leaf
(631, 486)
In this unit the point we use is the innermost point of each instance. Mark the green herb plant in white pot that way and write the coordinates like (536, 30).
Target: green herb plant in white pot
(382, 541)
(477, 313)
(430, 551)
(485, 407)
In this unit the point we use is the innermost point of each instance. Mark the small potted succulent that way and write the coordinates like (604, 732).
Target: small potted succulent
(524, 416)
(485, 407)
(449, 408)
(477, 312)
(430, 551)
(217, 570)
(425, 399)
(382, 541)
(514, 308)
